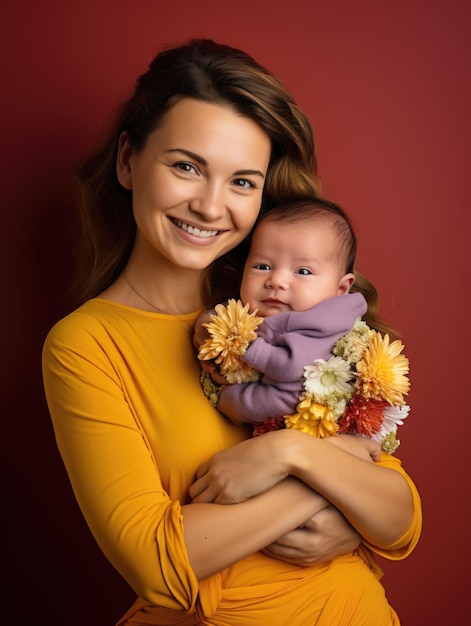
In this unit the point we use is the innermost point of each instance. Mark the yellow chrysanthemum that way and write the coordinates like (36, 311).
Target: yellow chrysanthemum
(312, 418)
(231, 330)
(382, 371)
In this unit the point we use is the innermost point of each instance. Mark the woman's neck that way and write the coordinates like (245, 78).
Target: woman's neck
(150, 283)
(173, 295)
(153, 282)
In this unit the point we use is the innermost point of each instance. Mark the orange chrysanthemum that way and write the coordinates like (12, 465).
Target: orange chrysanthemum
(312, 418)
(382, 371)
(362, 416)
(231, 330)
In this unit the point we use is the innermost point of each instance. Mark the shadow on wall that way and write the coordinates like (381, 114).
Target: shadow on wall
(54, 568)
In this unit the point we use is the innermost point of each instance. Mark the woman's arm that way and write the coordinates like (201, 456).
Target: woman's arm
(103, 434)
(376, 500)
(322, 538)
(217, 536)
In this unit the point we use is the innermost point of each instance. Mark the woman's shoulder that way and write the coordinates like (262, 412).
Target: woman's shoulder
(72, 328)
(91, 320)
(86, 315)
(104, 321)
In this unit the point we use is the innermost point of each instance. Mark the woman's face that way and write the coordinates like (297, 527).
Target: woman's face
(197, 183)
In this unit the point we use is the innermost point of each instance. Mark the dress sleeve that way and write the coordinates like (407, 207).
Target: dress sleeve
(403, 547)
(112, 469)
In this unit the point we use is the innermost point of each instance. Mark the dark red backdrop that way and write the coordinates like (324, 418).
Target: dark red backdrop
(386, 86)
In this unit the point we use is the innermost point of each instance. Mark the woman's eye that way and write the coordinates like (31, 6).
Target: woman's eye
(244, 183)
(304, 271)
(184, 166)
(262, 266)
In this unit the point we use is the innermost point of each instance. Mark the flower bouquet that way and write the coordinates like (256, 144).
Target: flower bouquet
(359, 390)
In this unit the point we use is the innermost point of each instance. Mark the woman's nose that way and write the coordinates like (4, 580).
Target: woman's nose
(208, 202)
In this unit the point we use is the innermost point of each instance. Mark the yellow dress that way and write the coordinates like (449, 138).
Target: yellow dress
(132, 425)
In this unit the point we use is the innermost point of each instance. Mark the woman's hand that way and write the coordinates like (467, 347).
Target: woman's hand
(255, 465)
(242, 471)
(200, 335)
(200, 332)
(212, 369)
(362, 447)
(322, 538)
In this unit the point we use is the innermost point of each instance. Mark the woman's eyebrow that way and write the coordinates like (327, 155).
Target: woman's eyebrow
(202, 161)
(191, 155)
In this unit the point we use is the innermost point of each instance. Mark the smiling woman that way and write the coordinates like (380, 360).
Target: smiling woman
(197, 189)
(208, 140)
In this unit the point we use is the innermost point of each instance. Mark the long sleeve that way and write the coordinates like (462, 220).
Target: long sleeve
(132, 425)
(128, 447)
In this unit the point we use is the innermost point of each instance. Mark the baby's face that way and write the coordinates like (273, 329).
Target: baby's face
(292, 267)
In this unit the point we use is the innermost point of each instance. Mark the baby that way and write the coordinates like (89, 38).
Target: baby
(298, 276)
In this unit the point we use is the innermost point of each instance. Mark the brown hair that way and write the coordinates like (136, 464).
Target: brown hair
(204, 70)
(322, 209)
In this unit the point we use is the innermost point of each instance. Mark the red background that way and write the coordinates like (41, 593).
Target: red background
(387, 88)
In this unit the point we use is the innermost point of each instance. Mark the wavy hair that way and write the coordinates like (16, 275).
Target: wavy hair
(210, 72)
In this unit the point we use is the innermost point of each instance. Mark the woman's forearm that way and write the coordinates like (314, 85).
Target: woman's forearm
(218, 535)
(376, 500)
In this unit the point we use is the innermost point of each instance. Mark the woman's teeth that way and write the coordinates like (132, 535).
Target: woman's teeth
(197, 232)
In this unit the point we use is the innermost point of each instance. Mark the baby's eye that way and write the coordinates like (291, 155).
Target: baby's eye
(262, 266)
(304, 271)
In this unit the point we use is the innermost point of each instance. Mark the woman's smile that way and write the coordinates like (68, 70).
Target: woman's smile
(194, 230)
(196, 185)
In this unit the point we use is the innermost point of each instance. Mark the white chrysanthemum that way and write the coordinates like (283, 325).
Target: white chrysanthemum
(394, 416)
(324, 378)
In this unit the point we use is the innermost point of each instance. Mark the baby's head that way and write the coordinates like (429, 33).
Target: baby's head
(301, 253)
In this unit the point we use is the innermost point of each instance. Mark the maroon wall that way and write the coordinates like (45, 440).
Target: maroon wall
(386, 86)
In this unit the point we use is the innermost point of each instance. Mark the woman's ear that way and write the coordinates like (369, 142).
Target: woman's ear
(123, 161)
(345, 284)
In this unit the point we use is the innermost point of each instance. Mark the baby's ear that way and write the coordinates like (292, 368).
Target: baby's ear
(345, 284)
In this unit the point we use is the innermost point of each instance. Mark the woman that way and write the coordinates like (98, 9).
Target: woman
(208, 139)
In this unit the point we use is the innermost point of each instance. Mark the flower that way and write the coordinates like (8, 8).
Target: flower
(359, 390)
(390, 444)
(393, 416)
(363, 416)
(312, 418)
(382, 371)
(324, 378)
(231, 331)
(270, 423)
(374, 407)
(352, 345)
